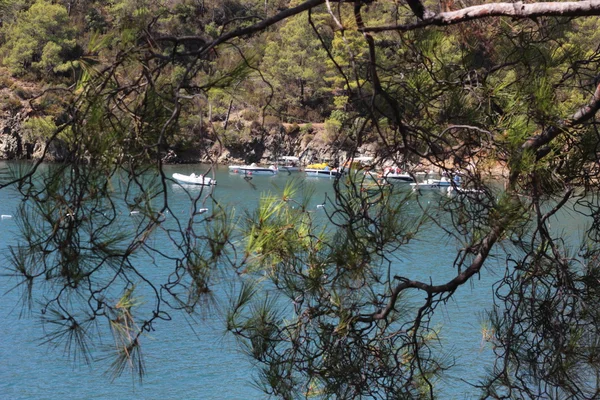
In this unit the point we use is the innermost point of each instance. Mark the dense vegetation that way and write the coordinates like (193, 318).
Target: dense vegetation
(514, 85)
(308, 69)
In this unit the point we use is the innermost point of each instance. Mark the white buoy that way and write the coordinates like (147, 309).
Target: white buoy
(202, 210)
(6, 216)
(135, 212)
(320, 205)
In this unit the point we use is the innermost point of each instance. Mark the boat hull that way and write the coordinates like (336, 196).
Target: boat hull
(429, 184)
(256, 171)
(289, 168)
(194, 179)
(399, 178)
(252, 170)
(322, 173)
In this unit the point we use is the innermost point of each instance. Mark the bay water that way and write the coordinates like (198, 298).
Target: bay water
(196, 359)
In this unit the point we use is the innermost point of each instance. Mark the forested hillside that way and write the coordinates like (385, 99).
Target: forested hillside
(281, 76)
(308, 71)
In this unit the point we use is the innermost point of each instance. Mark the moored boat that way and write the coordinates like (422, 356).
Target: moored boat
(392, 175)
(399, 178)
(253, 169)
(289, 164)
(396, 175)
(444, 182)
(194, 179)
(322, 170)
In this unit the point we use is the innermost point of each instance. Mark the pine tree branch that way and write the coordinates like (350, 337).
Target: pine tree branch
(485, 246)
(517, 10)
(582, 115)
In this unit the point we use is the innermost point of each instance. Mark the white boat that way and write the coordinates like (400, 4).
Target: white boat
(444, 182)
(399, 178)
(289, 163)
(322, 172)
(253, 169)
(396, 175)
(365, 160)
(392, 175)
(194, 179)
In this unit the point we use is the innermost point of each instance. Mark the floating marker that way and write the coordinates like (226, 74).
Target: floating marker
(202, 210)
(6, 216)
(134, 212)
(320, 205)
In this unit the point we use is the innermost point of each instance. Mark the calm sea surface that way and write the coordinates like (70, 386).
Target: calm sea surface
(197, 360)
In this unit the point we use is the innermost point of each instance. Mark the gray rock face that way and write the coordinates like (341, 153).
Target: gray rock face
(9, 146)
(56, 151)
(16, 143)
(10, 141)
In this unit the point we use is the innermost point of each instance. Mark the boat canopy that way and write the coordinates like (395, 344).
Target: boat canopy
(317, 166)
(363, 159)
(289, 158)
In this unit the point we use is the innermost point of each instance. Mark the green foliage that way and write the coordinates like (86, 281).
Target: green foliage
(38, 40)
(332, 130)
(129, 15)
(95, 21)
(43, 128)
(10, 104)
(552, 299)
(316, 269)
(294, 62)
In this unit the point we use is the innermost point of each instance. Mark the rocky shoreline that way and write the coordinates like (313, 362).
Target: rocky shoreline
(259, 143)
(263, 145)
(246, 142)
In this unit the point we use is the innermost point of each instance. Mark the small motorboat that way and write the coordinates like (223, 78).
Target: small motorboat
(253, 169)
(396, 175)
(289, 164)
(391, 175)
(194, 179)
(328, 173)
(444, 182)
(322, 170)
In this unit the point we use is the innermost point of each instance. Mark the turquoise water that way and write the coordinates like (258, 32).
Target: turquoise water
(196, 359)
